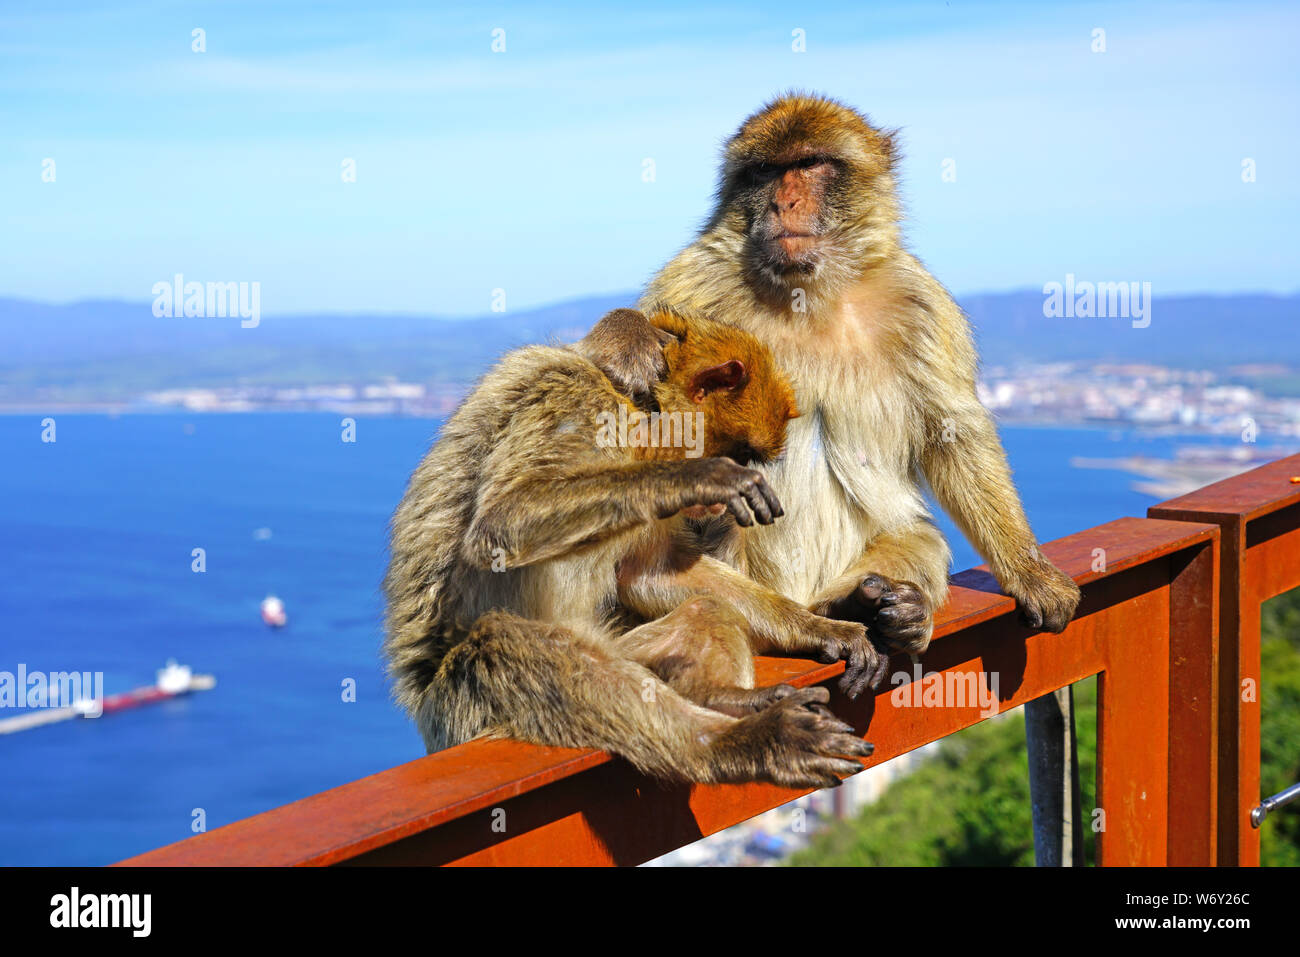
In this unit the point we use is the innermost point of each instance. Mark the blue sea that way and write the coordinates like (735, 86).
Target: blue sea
(97, 531)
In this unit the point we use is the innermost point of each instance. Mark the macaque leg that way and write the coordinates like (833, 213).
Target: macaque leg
(773, 623)
(701, 650)
(512, 677)
(895, 587)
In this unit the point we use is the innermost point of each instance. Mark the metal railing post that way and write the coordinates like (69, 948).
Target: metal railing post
(1054, 779)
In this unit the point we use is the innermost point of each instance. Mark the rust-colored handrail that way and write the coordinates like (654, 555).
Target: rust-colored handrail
(1258, 514)
(1147, 625)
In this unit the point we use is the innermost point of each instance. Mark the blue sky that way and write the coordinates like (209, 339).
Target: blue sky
(522, 170)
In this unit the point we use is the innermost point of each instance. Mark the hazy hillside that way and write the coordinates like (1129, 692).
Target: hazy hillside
(1190, 331)
(110, 350)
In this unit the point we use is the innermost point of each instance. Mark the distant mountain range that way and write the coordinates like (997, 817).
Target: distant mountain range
(107, 351)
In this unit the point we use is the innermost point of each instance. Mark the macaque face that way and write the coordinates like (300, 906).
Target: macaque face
(729, 376)
(756, 448)
(787, 201)
(748, 417)
(805, 181)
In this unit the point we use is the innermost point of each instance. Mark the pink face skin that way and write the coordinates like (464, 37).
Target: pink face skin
(703, 511)
(790, 226)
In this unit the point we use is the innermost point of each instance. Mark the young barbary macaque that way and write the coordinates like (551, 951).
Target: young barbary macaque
(544, 585)
(804, 251)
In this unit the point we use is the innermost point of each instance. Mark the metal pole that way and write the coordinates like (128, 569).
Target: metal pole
(1054, 780)
(1271, 804)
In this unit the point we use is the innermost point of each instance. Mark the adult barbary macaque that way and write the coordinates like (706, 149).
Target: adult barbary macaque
(803, 250)
(544, 585)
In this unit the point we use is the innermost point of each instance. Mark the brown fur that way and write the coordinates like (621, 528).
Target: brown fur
(629, 350)
(803, 249)
(545, 587)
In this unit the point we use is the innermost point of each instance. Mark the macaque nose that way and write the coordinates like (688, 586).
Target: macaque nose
(788, 192)
(784, 202)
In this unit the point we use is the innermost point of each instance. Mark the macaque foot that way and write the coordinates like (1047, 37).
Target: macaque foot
(742, 702)
(895, 612)
(792, 745)
(1046, 598)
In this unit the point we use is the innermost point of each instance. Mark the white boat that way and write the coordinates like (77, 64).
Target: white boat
(273, 612)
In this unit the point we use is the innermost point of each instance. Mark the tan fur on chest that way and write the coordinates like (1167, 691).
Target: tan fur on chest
(850, 461)
(855, 341)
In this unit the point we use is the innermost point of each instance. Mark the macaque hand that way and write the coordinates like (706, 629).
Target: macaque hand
(629, 350)
(1046, 597)
(896, 614)
(848, 641)
(720, 481)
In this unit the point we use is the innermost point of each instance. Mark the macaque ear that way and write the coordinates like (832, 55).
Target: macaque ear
(730, 375)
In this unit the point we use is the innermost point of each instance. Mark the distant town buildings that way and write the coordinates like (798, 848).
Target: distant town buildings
(1057, 394)
(383, 398)
(1136, 396)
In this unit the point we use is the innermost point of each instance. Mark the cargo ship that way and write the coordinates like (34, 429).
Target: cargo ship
(173, 681)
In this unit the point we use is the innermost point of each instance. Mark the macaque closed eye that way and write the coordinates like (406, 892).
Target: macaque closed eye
(746, 454)
(761, 173)
(758, 173)
(809, 162)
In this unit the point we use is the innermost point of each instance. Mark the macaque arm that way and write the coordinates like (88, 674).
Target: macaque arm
(967, 470)
(534, 514)
(548, 487)
(915, 553)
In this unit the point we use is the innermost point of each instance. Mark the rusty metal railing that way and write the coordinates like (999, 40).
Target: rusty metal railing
(1258, 514)
(1178, 751)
